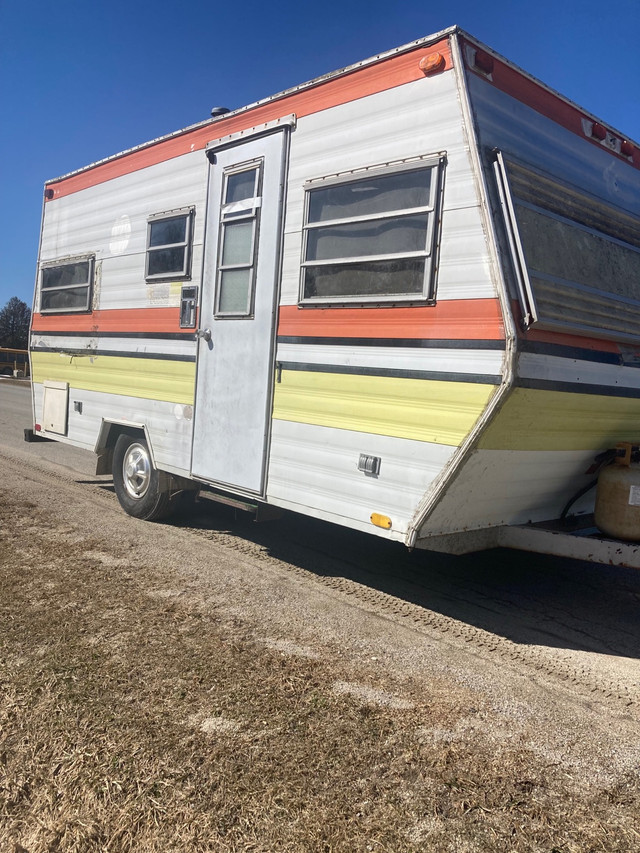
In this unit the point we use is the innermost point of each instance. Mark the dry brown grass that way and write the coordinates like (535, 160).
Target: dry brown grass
(132, 721)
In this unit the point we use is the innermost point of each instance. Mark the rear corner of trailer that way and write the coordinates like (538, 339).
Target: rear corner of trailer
(563, 195)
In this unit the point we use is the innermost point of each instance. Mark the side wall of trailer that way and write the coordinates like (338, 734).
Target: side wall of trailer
(127, 360)
(403, 383)
(575, 394)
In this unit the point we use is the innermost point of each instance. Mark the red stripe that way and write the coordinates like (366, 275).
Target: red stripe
(513, 82)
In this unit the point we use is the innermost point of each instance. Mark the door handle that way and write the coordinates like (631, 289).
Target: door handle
(204, 334)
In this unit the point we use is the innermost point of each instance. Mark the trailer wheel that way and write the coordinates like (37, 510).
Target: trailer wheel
(142, 490)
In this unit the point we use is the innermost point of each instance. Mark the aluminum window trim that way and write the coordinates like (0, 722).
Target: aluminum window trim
(523, 284)
(184, 273)
(383, 169)
(436, 163)
(392, 213)
(62, 262)
(250, 212)
(222, 267)
(363, 259)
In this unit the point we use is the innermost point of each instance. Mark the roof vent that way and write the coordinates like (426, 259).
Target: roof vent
(219, 111)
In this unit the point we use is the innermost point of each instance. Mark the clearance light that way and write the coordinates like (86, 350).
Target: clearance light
(599, 133)
(37, 427)
(381, 520)
(483, 62)
(432, 63)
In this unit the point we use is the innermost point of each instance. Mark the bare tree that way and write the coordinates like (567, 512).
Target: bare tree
(14, 324)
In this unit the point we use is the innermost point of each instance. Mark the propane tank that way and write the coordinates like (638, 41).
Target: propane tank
(617, 509)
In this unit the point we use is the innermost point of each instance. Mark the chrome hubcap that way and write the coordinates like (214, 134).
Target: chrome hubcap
(136, 470)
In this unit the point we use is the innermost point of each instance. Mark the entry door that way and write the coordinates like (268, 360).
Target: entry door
(235, 369)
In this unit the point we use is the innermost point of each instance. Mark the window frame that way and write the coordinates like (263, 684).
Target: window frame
(245, 210)
(87, 307)
(184, 274)
(433, 210)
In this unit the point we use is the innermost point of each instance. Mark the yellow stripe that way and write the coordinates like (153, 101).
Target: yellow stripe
(441, 412)
(557, 420)
(149, 378)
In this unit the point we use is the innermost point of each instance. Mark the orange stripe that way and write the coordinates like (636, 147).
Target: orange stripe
(383, 75)
(561, 338)
(117, 320)
(572, 340)
(456, 319)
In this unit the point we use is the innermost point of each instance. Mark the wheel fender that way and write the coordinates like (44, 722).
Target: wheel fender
(106, 441)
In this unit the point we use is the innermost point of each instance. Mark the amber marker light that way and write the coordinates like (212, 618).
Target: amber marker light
(381, 520)
(432, 63)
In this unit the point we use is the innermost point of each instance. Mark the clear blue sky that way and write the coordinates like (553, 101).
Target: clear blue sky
(84, 79)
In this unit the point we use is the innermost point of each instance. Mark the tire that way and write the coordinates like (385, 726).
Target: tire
(142, 490)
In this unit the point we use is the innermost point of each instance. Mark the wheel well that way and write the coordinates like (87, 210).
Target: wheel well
(107, 439)
(106, 443)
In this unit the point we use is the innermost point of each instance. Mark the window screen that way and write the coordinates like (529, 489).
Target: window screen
(66, 287)
(372, 237)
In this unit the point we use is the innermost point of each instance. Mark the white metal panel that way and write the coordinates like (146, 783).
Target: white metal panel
(510, 487)
(124, 345)
(464, 270)
(169, 425)
(122, 282)
(428, 359)
(518, 130)
(591, 548)
(110, 220)
(418, 118)
(315, 469)
(54, 407)
(548, 367)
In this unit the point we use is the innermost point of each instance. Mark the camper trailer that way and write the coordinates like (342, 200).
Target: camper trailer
(403, 297)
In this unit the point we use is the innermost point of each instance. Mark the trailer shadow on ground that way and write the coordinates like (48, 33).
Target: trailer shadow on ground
(526, 598)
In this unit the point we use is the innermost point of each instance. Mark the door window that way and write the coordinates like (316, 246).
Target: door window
(239, 227)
